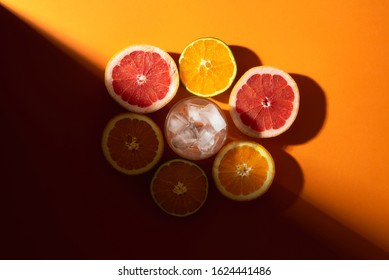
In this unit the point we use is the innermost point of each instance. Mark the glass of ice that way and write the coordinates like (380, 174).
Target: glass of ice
(195, 128)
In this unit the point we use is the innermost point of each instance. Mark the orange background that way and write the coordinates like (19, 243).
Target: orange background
(62, 200)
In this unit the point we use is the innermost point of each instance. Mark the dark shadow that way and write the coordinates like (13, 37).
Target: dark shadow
(245, 59)
(52, 114)
(62, 200)
(288, 181)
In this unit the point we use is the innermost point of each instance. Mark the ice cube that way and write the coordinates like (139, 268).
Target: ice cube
(218, 123)
(177, 123)
(211, 115)
(182, 143)
(194, 112)
(189, 133)
(206, 139)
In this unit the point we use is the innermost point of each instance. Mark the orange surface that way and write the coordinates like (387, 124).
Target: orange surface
(333, 163)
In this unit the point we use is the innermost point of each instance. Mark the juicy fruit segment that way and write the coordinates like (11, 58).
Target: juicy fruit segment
(243, 170)
(132, 143)
(207, 67)
(264, 102)
(142, 78)
(179, 187)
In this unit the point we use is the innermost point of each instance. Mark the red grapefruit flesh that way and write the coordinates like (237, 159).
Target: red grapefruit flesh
(264, 102)
(142, 78)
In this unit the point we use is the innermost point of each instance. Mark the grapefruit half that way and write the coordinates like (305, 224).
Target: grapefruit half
(264, 102)
(142, 78)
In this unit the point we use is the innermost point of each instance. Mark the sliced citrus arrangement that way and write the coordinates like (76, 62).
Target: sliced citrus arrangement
(207, 67)
(264, 102)
(179, 187)
(132, 143)
(243, 170)
(142, 78)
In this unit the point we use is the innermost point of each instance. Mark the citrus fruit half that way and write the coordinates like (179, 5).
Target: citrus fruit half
(132, 143)
(179, 187)
(207, 67)
(243, 170)
(264, 102)
(142, 78)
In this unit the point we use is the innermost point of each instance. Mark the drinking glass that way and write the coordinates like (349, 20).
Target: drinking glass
(195, 128)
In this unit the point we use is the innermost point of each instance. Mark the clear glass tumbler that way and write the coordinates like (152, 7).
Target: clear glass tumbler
(195, 128)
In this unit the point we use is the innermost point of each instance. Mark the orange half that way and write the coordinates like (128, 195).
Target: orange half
(207, 67)
(132, 143)
(179, 187)
(243, 170)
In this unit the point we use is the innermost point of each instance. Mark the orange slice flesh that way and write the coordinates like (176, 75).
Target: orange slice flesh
(207, 67)
(243, 170)
(179, 187)
(132, 143)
